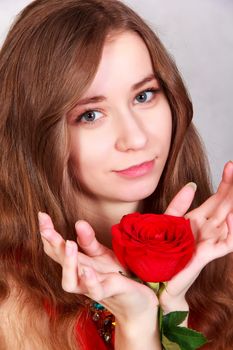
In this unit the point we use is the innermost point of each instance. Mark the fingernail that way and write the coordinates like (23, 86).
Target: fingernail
(78, 223)
(192, 185)
(85, 272)
(69, 248)
(76, 226)
(42, 217)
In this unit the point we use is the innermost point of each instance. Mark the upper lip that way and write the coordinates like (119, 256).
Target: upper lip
(136, 165)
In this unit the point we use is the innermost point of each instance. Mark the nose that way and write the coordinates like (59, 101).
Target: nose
(131, 133)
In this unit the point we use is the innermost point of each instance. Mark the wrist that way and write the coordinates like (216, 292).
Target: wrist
(137, 334)
(174, 304)
(143, 313)
(169, 302)
(139, 329)
(179, 304)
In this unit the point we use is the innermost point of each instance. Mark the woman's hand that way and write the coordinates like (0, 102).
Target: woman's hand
(95, 273)
(212, 225)
(93, 253)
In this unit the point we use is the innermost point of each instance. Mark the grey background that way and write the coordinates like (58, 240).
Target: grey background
(199, 34)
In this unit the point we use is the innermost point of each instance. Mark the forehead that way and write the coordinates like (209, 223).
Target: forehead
(125, 59)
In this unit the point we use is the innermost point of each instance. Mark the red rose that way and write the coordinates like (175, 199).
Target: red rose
(154, 247)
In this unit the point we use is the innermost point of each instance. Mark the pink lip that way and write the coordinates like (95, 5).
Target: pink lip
(137, 170)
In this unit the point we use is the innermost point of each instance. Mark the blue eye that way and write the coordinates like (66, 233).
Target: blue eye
(90, 116)
(145, 96)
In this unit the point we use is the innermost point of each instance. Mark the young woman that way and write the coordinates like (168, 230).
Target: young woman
(95, 123)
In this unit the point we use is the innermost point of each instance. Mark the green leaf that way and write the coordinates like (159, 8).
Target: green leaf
(186, 338)
(168, 345)
(174, 318)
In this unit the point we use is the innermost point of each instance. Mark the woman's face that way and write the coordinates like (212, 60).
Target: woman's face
(121, 128)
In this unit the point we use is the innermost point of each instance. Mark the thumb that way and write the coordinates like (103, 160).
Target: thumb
(182, 200)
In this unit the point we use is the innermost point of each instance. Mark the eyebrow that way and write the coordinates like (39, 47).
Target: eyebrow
(102, 98)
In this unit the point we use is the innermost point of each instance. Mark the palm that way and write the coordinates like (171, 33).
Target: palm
(94, 270)
(92, 253)
(104, 263)
(212, 225)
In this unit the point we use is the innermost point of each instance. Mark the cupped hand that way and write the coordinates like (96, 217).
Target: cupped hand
(216, 208)
(212, 226)
(93, 253)
(94, 272)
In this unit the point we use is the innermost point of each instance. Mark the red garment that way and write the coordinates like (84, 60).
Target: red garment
(88, 334)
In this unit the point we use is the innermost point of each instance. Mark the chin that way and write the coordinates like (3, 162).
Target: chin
(137, 194)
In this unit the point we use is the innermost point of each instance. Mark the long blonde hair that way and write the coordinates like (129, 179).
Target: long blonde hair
(48, 60)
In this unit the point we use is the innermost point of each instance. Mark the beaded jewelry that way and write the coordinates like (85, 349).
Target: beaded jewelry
(104, 320)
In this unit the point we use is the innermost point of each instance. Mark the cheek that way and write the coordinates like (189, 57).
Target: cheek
(160, 127)
(87, 153)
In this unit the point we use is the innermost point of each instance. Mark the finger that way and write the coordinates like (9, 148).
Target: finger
(182, 201)
(213, 229)
(223, 228)
(223, 246)
(87, 240)
(218, 204)
(54, 244)
(70, 268)
(221, 202)
(47, 230)
(229, 239)
(190, 272)
(223, 209)
(227, 175)
(102, 287)
(93, 286)
(209, 230)
(117, 283)
(224, 194)
(199, 216)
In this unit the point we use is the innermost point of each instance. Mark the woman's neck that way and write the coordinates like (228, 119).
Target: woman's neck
(101, 215)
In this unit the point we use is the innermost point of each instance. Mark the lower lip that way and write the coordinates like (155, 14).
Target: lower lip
(137, 171)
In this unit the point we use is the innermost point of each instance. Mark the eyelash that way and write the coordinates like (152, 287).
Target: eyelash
(88, 110)
(153, 90)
